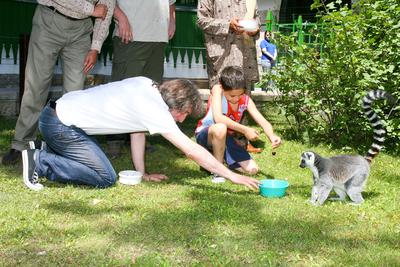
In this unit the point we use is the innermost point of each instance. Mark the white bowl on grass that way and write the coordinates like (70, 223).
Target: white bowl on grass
(129, 177)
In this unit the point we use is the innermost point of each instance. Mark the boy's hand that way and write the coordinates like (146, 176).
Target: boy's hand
(251, 134)
(275, 141)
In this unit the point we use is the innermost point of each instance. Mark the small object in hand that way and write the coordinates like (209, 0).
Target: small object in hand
(251, 149)
(273, 153)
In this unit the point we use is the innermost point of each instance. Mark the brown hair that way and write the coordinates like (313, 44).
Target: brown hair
(181, 95)
(232, 77)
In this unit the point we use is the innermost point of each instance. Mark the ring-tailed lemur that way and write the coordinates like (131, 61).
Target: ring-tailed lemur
(346, 174)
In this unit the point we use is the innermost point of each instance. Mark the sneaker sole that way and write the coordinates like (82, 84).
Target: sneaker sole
(33, 146)
(218, 180)
(25, 174)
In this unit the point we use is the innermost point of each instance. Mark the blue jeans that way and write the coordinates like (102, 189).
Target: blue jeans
(73, 157)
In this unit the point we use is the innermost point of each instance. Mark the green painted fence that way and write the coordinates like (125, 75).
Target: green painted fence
(16, 19)
(311, 34)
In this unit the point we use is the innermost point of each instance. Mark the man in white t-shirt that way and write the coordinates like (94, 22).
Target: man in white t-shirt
(136, 106)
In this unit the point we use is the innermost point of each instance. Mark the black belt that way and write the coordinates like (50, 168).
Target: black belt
(58, 12)
(53, 104)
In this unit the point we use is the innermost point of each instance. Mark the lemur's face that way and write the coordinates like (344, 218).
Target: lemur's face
(307, 159)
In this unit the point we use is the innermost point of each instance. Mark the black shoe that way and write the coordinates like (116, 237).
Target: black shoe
(31, 178)
(150, 148)
(12, 157)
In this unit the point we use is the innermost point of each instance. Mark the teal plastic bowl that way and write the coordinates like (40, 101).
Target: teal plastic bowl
(273, 188)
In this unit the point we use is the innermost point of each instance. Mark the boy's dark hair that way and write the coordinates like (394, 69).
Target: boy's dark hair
(232, 78)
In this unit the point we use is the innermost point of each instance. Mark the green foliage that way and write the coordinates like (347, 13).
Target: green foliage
(323, 83)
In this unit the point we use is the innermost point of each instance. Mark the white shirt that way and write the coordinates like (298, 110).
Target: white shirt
(130, 105)
(149, 19)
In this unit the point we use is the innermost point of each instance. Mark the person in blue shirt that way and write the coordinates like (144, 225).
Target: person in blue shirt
(269, 54)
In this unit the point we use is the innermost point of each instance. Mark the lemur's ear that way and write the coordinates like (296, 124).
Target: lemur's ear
(308, 155)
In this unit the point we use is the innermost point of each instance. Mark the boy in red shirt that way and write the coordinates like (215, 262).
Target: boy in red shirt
(225, 109)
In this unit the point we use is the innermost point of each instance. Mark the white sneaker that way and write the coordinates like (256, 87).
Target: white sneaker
(38, 145)
(216, 179)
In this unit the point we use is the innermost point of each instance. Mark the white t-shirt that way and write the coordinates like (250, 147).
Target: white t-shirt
(130, 105)
(149, 19)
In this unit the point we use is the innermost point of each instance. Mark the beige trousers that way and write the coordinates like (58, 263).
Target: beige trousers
(53, 36)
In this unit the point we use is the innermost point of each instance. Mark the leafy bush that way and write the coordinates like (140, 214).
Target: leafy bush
(322, 88)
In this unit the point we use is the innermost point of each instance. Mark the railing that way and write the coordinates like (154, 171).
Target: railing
(307, 33)
(186, 48)
(184, 51)
(15, 18)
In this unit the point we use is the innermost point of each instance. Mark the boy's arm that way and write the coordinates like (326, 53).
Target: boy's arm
(219, 117)
(260, 120)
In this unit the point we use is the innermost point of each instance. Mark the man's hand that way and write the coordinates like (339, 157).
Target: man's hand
(155, 177)
(90, 61)
(234, 25)
(124, 30)
(251, 183)
(100, 11)
(252, 33)
(251, 134)
(171, 30)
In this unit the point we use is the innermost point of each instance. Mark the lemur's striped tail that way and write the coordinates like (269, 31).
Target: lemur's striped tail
(377, 124)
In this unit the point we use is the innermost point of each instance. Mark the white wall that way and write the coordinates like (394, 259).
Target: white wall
(182, 70)
(269, 4)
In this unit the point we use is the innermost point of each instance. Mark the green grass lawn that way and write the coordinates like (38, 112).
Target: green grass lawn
(188, 221)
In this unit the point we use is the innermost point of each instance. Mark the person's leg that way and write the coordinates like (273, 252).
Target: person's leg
(266, 67)
(212, 72)
(248, 166)
(120, 54)
(78, 159)
(154, 68)
(237, 157)
(74, 53)
(208, 138)
(217, 139)
(42, 55)
(129, 59)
